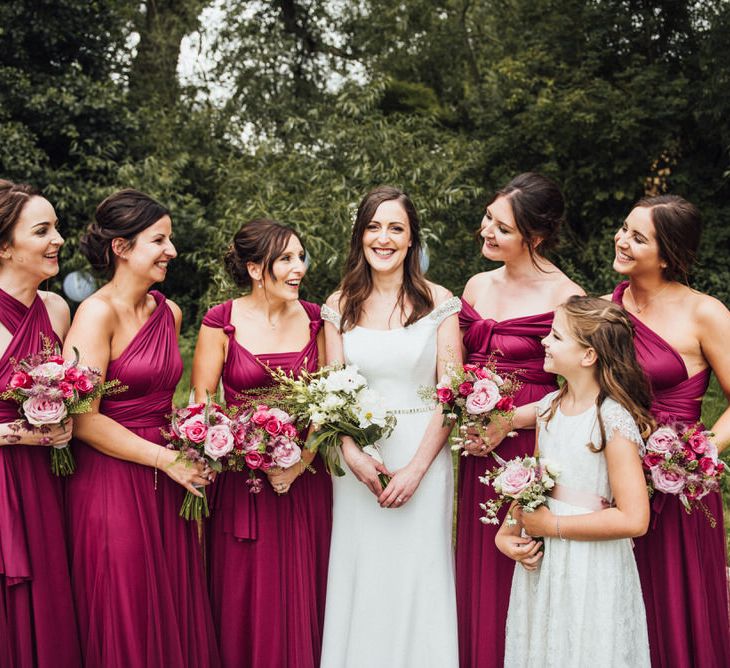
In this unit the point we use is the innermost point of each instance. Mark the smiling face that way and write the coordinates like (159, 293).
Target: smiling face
(502, 239)
(35, 242)
(636, 247)
(563, 353)
(151, 251)
(288, 270)
(387, 237)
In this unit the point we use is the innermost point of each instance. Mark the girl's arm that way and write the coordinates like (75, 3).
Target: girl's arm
(628, 519)
(91, 333)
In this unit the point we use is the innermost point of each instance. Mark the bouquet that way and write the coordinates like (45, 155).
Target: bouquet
(337, 401)
(473, 395)
(263, 438)
(200, 433)
(683, 461)
(527, 480)
(49, 388)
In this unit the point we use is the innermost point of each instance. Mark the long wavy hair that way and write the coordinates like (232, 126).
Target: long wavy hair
(605, 327)
(357, 282)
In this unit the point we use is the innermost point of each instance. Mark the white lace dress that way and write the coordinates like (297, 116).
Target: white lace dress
(583, 606)
(390, 591)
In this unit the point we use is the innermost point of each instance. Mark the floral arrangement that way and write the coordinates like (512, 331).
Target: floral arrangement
(527, 480)
(337, 401)
(49, 388)
(201, 432)
(683, 461)
(263, 438)
(473, 395)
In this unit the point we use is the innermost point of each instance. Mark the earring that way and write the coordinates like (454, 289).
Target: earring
(261, 285)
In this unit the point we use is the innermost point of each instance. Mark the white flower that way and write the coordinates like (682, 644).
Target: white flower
(370, 408)
(318, 418)
(332, 402)
(552, 468)
(345, 380)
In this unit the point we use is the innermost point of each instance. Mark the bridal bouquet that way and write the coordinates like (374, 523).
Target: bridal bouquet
(473, 395)
(683, 461)
(527, 480)
(263, 438)
(337, 401)
(200, 433)
(49, 388)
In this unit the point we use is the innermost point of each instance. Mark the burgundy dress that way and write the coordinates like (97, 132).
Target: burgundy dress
(37, 620)
(483, 574)
(137, 567)
(268, 554)
(682, 559)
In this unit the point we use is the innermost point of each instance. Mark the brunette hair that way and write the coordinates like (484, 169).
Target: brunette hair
(357, 282)
(123, 215)
(538, 207)
(606, 327)
(13, 197)
(678, 227)
(260, 241)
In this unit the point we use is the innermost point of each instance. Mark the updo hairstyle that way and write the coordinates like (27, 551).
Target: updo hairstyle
(13, 197)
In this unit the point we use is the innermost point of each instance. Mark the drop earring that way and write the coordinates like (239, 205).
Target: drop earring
(261, 285)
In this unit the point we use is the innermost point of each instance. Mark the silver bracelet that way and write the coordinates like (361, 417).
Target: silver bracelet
(557, 526)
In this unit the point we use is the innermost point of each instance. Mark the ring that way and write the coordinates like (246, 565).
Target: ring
(399, 500)
(483, 448)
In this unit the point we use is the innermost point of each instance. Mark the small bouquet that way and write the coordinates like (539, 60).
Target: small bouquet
(49, 388)
(473, 395)
(200, 433)
(683, 461)
(527, 480)
(337, 401)
(263, 438)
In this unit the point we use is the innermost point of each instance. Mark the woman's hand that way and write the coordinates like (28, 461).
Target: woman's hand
(19, 433)
(480, 443)
(540, 522)
(282, 479)
(190, 475)
(363, 466)
(402, 487)
(523, 549)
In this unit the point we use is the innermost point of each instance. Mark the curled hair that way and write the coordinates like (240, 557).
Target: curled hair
(538, 207)
(357, 282)
(606, 327)
(678, 227)
(122, 215)
(260, 241)
(13, 197)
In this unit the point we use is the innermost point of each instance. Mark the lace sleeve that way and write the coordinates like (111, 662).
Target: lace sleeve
(444, 310)
(617, 419)
(330, 315)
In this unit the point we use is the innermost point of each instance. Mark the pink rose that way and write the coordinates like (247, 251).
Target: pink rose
(57, 359)
(483, 399)
(481, 373)
(662, 441)
(653, 459)
(72, 374)
(689, 454)
(286, 453)
(505, 404)
(465, 389)
(194, 429)
(254, 459)
(84, 385)
(218, 441)
(19, 380)
(273, 426)
(444, 395)
(39, 410)
(515, 479)
(260, 417)
(289, 430)
(698, 442)
(49, 370)
(720, 466)
(470, 368)
(67, 389)
(280, 415)
(267, 461)
(665, 481)
(707, 466)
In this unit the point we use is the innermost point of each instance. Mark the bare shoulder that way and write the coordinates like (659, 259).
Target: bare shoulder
(710, 312)
(478, 283)
(565, 288)
(97, 312)
(58, 311)
(176, 312)
(439, 294)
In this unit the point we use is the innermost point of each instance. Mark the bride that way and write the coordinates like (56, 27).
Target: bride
(390, 589)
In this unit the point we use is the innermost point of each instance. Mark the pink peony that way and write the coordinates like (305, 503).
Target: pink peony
(273, 426)
(84, 385)
(652, 459)
(698, 442)
(515, 479)
(662, 441)
(254, 460)
(445, 395)
(218, 441)
(19, 380)
(286, 453)
(49, 370)
(484, 397)
(707, 466)
(665, 481)
(39, 410)
(260, 417)
(194, 429)
(289, 430)
(465, 389)
(67, 389)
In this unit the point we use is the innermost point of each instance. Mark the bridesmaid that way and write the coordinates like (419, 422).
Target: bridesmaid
(137, 567)
(37, 620)
(681, 336)
(276, 542)
(505, 314)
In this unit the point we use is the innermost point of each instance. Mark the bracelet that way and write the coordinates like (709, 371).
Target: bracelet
(157, 459)
(557, 526)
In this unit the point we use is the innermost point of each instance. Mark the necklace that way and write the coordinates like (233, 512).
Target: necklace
(638, 308)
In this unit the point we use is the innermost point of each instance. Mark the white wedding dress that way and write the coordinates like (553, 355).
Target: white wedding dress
(390, 591)
(583, 606)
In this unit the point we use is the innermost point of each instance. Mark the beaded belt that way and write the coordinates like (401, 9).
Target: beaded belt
(411, 411)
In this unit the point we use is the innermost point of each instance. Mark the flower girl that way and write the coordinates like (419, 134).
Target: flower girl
(578, 601)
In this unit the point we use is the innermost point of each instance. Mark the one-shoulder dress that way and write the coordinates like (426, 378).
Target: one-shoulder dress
(137, 567)
(37, 619)
(682, 559)
(268, 554)
(483, 574)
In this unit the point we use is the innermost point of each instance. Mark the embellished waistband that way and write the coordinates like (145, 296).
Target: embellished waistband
(411, 411)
